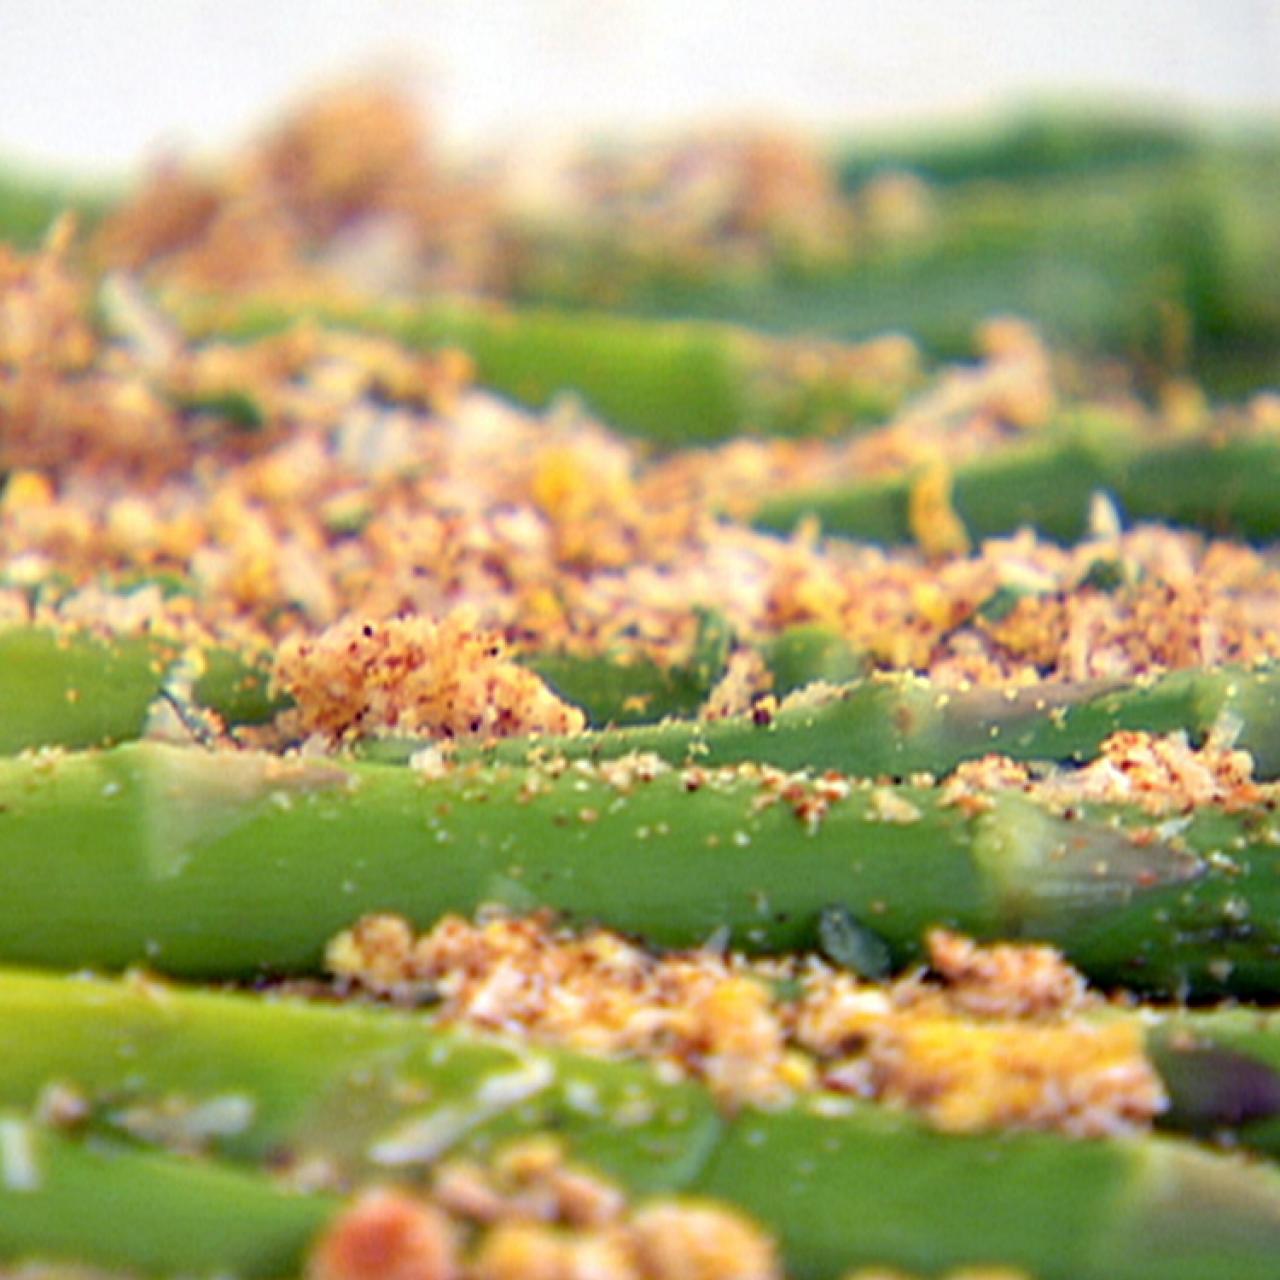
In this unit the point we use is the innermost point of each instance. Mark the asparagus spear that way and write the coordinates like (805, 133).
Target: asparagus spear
(75, 688)
(670, 382)
(110, 1205)
(68, 687)
(374, 1090)
(1037, 143)
(1221, 486)
(618, 689)
(368, 1092)
(899, 725)
(72, 688)
(1062, 1210)
(220, 865)
(76, 691)
(260, 1079)
(1111, 258)
(801, 654)
(1221, 1070)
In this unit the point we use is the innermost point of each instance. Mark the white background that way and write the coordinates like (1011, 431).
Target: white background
(102, 85)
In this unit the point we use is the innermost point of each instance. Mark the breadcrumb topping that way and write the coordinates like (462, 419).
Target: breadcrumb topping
(1005, 1037)
(416, 677)
(519, 1219)
(386, 1235)
(314, 479)
(1162, 775)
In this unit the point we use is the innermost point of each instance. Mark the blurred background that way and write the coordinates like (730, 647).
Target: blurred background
(102, 88)
(1109, 169)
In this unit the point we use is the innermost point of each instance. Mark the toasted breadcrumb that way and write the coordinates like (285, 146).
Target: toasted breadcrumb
(1003, 1042)
(527, 1180)
(595, 992)
(1159, 774)
(683, 1240)
(313, 478)
(520, 1218)
(386, 1235)
(530, 1251)
(1073, 1078)
(1162, 775)
(1004, 980)
(417, 677)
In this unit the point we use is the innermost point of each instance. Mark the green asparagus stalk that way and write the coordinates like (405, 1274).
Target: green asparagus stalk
(1079, 144)
(801, 654)
(72, 688)
(1221, 1070)
(221, 865)
(31, 202)
(374, 1092)
(900, 725)
(1224, 487)
(1061, 1210)
(624, 688)
(1221, 486)
(628, 688)
(670, 382)
(1108, 257)
(367, 1092)
(110, 1205)
(76, 688)
(256, 1080)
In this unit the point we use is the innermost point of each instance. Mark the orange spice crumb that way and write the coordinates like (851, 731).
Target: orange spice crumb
(386, 1235)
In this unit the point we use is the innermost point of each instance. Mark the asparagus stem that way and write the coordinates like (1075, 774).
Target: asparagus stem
(205, 864)
(673, 383)
(1062, 1210)
(377, 1093)
(273, 1079)
(108, 1205)
(75, 690)
(618, 689)
(1220, 486)
(899, 725)
(1101, 260)
(369, 1092)
(69, 688)
(804, 653)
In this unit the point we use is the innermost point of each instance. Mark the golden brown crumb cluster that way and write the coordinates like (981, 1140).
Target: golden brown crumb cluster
(596, 992)
(1008, 1037)
(416, 677)
(1161, 775)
